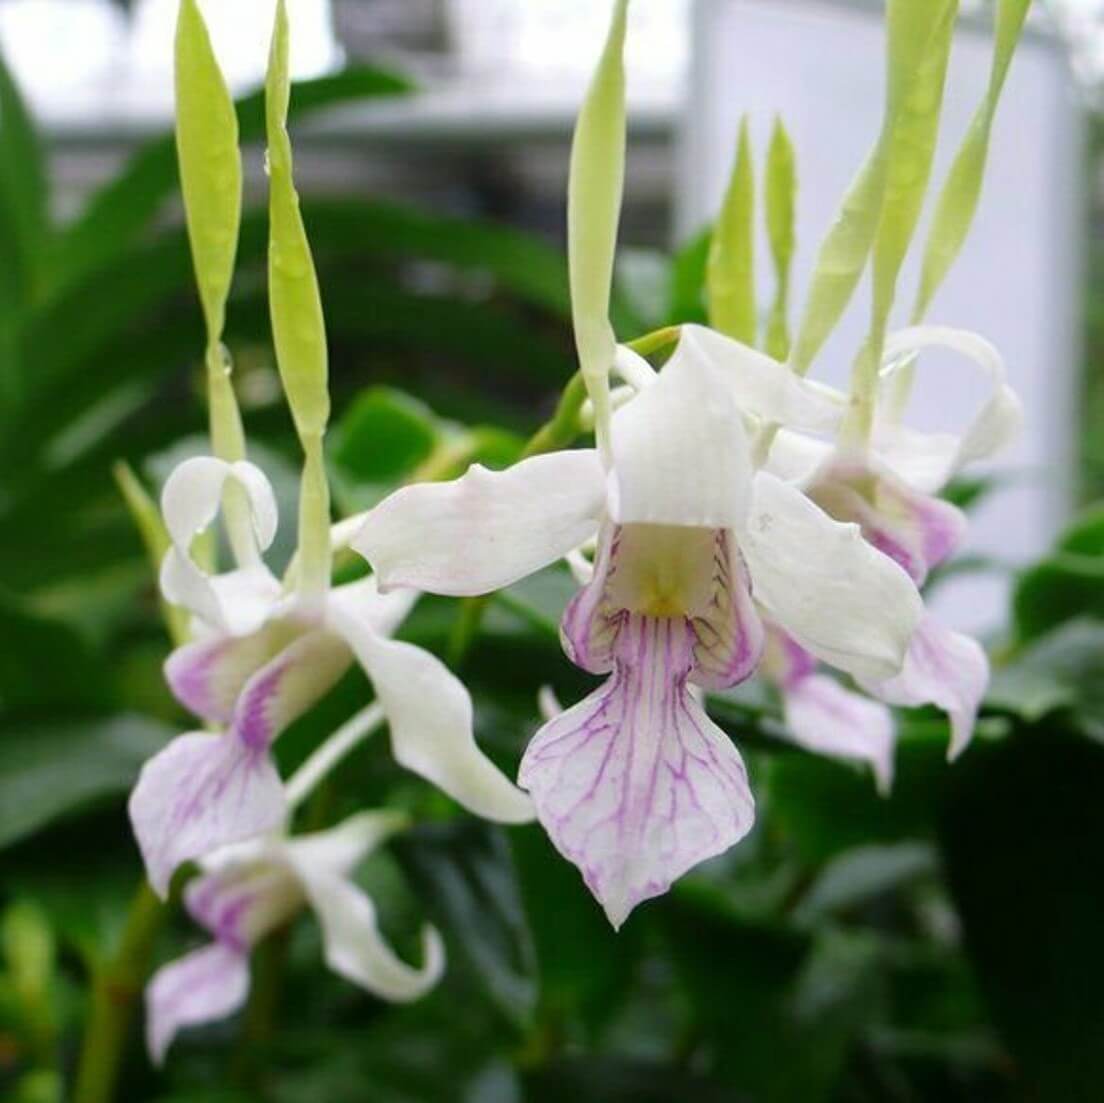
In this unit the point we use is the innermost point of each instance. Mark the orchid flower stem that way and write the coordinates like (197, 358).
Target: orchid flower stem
(653, 342)
(326, 756)
(270, 961)
(116, 991)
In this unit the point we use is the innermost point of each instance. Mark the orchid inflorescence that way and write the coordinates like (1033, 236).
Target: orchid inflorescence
(732, 517)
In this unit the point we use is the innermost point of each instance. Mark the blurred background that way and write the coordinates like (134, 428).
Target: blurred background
(941, 945)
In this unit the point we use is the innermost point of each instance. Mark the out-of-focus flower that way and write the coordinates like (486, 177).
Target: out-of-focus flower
(259, 660)
(248, 890)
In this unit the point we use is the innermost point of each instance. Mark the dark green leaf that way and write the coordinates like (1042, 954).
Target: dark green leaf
(686, 294)
(1023, 843)
(464, 872)
(51, 769)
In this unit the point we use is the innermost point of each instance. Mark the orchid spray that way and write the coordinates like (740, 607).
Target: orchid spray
(260, 651)
(732, 515)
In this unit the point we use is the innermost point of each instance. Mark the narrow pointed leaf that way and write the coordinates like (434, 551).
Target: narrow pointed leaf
(846, 249)
(780, 197)
(958, 201)
(731, 271)
(593, 211)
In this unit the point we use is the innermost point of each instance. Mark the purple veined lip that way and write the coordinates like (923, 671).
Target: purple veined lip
(635, 784)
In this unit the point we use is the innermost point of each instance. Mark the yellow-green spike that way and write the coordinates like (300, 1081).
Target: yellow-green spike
(781, 194)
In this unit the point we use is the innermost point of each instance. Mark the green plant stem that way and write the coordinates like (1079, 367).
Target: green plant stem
(259, 1025)
(116, 989)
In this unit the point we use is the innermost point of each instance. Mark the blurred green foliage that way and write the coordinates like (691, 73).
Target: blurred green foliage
(939, 945)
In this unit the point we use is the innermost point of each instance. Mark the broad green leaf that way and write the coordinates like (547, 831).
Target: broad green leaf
(24, 201)
(958, 201)
(686, 299)
(54, 768)
(116, 215)
(596, 180)
(731, 269)
(780, 198)
(1022, 835)
(843, 254)
(1062, 587)
(298, 328)
(908, 168)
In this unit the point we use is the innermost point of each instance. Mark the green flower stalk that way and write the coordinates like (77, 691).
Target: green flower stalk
(593, 211)
(298, 328)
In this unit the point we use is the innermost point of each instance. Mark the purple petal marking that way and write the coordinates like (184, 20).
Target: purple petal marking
(289, 684)
(207, 676)
(198, 794)
(824, 717)
(917, 531)
(635, 784)
(730, 637)
(942, 668)
(204, 986)
(590, 624)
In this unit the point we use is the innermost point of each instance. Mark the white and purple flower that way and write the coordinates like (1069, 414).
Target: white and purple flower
(259, 660)
(248, 890)
(635, 784)
(889, 492)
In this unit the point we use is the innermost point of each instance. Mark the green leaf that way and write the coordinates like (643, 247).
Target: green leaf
(730, 276)
(116, 215)
(24, 201)
(1023, 846)
(1063, 587)
(47, 667)
(779, 1008)
(464, 872)
(910, 26)
(686, 301)
(1063, 670)
(380, 439)
(54, 768)
(780, 197)
(958, 201)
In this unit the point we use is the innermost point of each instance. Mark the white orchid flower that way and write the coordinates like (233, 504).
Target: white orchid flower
(635, 784)
(247, 890)
(889, 492)
(260, 660)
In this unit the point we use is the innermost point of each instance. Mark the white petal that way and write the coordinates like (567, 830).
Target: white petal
(200, 793)
(943, 668)
(339, 849)
(354, 947)
(799, 459)
(927, 460)
(430, 715)
(824, 717)
(635, 784)
(207, 676)
(680, 452)
(192, 496)
(761, 386)
(383, 613)
(237, 602)
(202, 987)
(634, 369)
(825, 585)
(488, 529)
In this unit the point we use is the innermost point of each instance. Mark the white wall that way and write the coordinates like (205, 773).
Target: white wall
(819, 65)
